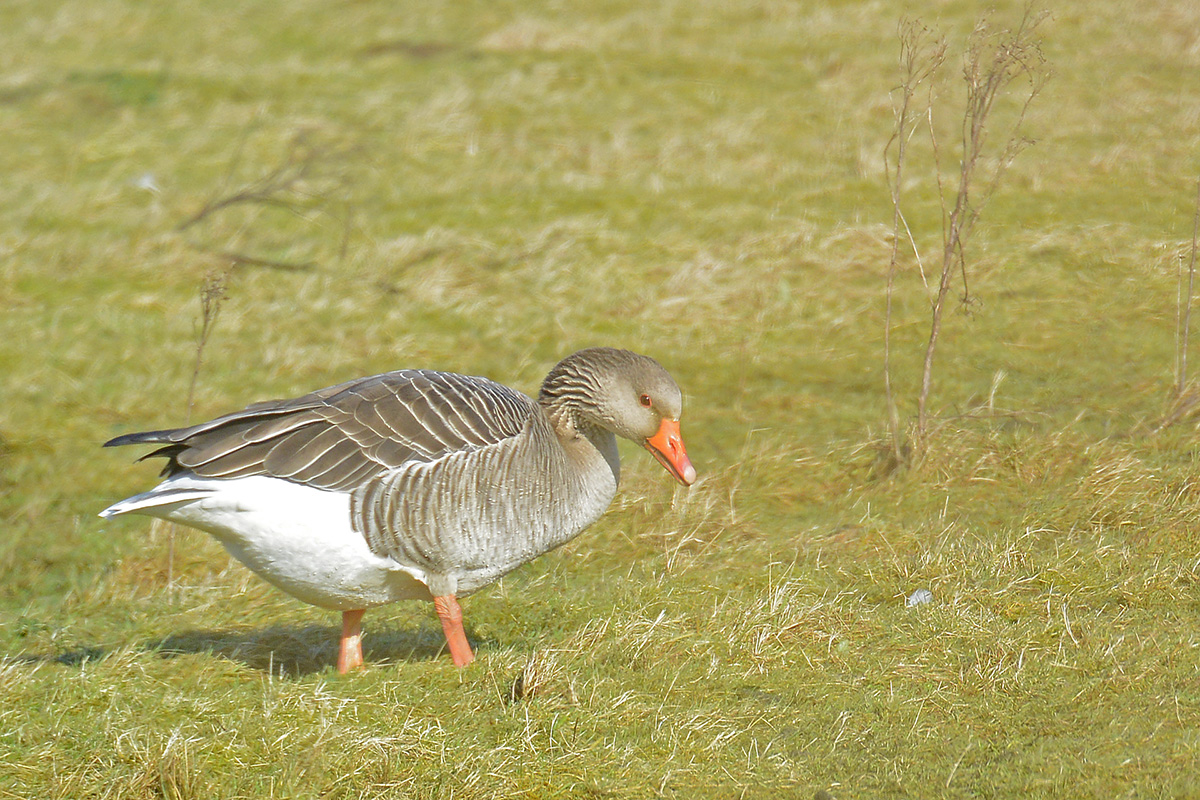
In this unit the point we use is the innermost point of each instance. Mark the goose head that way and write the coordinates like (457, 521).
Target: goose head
(627, 394)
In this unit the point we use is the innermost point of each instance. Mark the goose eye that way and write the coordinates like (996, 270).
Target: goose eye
(645, 401)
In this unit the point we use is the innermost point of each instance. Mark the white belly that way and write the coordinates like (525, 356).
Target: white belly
(296, 537)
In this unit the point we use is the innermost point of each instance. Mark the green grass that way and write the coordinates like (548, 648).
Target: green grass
(702, 182)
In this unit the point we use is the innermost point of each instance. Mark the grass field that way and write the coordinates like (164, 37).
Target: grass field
(486, 187)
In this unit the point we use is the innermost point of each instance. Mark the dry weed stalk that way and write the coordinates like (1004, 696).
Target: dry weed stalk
(1184, 398)
(1183, 307)
(994, 61)
(212, 295)
(921, 56)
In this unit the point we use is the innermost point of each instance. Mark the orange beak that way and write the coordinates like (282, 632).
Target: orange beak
(667, 447)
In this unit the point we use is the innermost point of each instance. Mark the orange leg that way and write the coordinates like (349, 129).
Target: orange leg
(350, 653)
(450, 613)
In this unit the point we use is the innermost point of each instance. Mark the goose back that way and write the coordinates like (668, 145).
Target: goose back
(339, 437)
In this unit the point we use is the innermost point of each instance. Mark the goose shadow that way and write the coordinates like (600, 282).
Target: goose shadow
(281, 650)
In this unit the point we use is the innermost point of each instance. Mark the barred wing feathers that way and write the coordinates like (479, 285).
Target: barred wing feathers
(343, 436)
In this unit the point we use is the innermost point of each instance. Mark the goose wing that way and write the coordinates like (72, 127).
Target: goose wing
(340, 437)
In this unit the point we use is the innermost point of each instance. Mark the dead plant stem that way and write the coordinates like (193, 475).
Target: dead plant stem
(1185, 305)
(919, 61)
(993, 61)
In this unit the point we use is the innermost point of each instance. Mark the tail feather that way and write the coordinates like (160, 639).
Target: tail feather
(155, 502)
(144, 437)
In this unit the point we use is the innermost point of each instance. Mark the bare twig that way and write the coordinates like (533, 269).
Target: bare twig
(241, 259)
(1184, 397)
(301, 184)
(1181, 409)
(994, 60)
(1184, 306)
(281, 186)
(921, 56)
(347, 228)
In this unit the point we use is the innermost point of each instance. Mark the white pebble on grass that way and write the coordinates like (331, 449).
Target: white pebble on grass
(146, 181)
(919, 598)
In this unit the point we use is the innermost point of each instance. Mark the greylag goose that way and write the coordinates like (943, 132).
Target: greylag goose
(413, 484)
